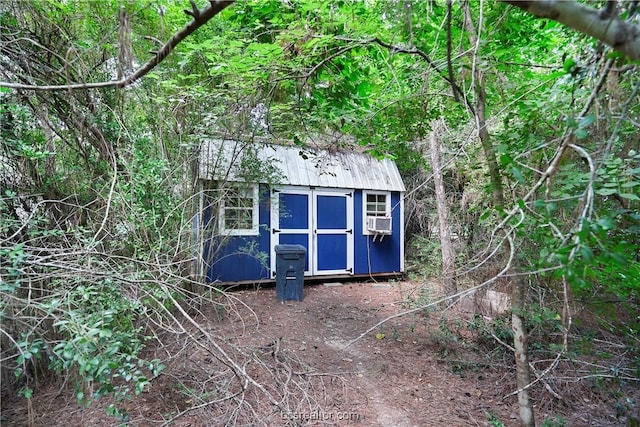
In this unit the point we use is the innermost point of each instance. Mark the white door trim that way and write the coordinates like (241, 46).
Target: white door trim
(312, 231)
(348, 231)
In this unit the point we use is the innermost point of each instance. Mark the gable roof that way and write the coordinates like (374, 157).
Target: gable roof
(221, 159)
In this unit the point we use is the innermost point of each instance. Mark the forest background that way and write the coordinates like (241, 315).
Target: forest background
(517, 138)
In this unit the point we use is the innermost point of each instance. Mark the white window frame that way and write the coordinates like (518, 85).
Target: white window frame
(387, 210)
(254, 230)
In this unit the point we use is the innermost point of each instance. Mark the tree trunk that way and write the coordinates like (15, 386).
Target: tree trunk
(518, 286)
(523, 374)
(448, 255)
(518, 291)
(497, 191)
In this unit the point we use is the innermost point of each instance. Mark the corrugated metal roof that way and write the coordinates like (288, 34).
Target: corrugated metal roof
(221, 160)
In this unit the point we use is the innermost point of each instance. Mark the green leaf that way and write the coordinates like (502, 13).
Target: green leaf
(364, 89)
(505, 159)
(556, 75)
(551, 207)
(587, 254)
(606, 223)
(26, 392)
(539, 203)
(586, 121)
(618, 258)
(580, 133)
(517, 174)
(585, 230)
(606, 191)
(569, 273)
(629, 196)
(569, 65)
(614, 55)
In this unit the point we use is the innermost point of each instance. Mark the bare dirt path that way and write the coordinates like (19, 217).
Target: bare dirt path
(396, 375)
(399, 375)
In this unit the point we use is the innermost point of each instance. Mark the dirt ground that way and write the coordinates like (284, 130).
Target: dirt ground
(406, 372)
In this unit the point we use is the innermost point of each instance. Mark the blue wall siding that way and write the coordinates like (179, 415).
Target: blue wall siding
(379, 256)
(237, 259)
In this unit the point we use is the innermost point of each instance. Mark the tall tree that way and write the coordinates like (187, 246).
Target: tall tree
(444, 228)
(518, 285)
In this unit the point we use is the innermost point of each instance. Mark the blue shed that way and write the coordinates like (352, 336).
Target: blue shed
(345, 208)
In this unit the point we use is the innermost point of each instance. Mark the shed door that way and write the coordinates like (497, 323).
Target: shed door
(321, 221)
(333, 232)
(290, 222)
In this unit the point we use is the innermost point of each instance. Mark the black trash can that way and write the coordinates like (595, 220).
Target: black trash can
(290, 261)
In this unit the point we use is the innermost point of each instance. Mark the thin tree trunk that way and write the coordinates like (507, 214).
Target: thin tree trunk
(497, 191)
(523, 373)
(448, 255)
(518, 285)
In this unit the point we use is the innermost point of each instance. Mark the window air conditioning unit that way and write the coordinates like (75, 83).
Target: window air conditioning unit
(379, 224)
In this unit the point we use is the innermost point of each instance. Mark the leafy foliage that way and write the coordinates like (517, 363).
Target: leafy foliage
(97, 185)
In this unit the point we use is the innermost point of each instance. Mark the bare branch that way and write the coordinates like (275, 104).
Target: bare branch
(604, 25)
(201, 17)
(454, 86)
(194, 12)
(448, 298)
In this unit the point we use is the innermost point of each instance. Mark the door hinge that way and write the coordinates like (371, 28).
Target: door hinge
(349, 231)
(275, 230)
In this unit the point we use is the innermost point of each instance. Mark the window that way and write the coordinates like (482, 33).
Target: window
(239, 210)
(376, 204)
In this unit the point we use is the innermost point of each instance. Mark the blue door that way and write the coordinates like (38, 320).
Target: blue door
(290, 222)
(333, 232)
(319, 220)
